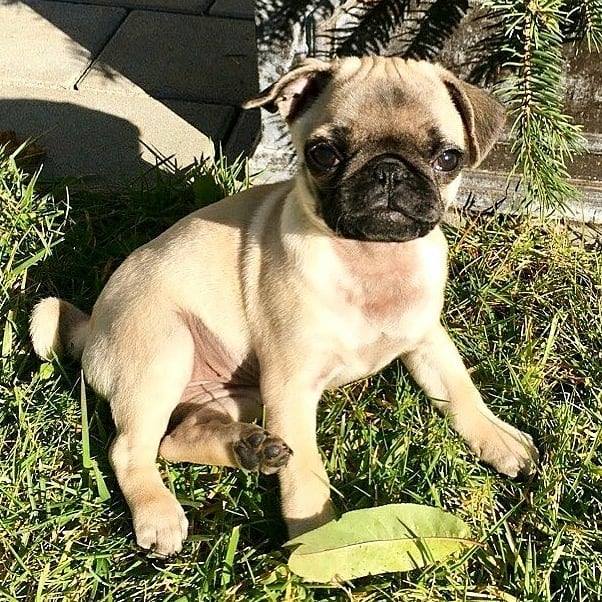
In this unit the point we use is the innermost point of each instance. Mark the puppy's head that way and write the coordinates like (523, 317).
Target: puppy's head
(382, 141)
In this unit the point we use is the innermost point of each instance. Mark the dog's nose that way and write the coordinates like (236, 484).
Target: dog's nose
(389, 173)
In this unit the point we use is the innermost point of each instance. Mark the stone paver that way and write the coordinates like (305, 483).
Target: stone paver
(179, 6)
(239, 9)
(213, 120)
(178, 56)
(52, 43)
(87, 134)
(105, 86)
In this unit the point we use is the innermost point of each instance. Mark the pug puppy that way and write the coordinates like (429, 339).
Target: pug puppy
(260, 302)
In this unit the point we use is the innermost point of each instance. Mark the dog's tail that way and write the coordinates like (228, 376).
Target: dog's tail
(57, 327)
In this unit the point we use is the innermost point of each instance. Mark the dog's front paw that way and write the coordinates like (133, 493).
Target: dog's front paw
(502, 446)
(258, 450)
(160, 525)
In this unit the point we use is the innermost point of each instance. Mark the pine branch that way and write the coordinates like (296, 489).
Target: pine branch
(277, 17)
(544, 138)
(584, 22)
(437, 25)
(372, 23)
(494, 51)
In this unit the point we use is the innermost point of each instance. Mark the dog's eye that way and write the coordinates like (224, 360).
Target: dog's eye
(323, 155)
(448, 160)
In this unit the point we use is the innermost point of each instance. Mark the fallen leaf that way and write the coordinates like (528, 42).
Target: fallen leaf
(395, 537)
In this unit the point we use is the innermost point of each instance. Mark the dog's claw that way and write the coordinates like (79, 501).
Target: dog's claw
(261, 451)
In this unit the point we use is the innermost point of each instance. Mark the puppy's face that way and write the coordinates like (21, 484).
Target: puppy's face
(382, 141)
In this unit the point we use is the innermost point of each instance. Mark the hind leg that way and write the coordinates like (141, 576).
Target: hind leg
(210, 432)
(144, 398)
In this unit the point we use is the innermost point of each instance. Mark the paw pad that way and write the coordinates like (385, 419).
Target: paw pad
(261, 451)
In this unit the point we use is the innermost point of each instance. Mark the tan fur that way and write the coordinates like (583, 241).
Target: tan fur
(58, 327)
(253, 299)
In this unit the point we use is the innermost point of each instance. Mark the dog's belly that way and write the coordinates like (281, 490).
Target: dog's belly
(218, 372)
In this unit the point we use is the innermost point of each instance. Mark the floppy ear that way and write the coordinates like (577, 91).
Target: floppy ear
(483, 116)
(295, 91)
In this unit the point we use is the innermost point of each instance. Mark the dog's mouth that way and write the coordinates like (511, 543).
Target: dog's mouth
(400, 215)
(384, 225)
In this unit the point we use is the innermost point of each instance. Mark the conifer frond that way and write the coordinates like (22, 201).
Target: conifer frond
(494, 51)
(584, 22)
(371, 25)
(277, 17)
(543, 137)
(437, 24)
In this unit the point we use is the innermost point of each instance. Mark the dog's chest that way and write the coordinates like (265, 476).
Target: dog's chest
(381, 301)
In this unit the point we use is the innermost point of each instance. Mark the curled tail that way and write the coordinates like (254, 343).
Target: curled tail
(57, 327)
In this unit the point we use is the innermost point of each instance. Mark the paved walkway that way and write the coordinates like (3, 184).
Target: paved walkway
(112, 86)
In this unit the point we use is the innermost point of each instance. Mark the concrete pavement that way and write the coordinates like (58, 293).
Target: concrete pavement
(109, 87)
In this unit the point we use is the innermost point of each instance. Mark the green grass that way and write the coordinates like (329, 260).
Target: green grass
(524, 306)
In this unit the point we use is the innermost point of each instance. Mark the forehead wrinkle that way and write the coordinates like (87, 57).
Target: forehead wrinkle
(367, 98)
(397, 63)
(410, 77)
(391, 70)
(379, 67)
(366, 66)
